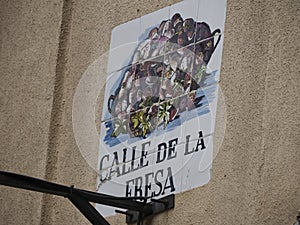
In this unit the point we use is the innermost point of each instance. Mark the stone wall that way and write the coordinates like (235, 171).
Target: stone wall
(46, 46)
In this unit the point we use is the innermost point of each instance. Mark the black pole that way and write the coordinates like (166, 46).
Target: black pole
(33, 184)
(119, 202)
(87, 210)
(81, 198)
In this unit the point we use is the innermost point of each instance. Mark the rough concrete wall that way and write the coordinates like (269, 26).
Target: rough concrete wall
(29, 42)
(255, 176)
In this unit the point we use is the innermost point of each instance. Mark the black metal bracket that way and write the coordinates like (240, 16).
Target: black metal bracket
(157, 206)
(136, 210)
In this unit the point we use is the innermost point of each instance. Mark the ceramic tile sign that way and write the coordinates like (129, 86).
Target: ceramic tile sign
(160, 101)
